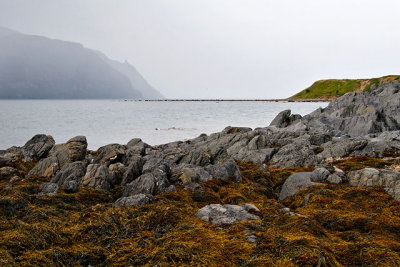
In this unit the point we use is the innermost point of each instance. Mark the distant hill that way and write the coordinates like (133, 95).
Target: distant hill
(331, 89)
(35, 67)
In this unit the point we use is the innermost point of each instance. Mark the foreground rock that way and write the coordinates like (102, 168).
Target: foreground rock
(302, 180)
(138, 200)
(227, 214)
(389, 179)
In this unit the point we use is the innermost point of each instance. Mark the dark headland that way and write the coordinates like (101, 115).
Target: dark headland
(318, 190)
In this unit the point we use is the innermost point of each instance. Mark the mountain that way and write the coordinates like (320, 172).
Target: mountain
(135, 78)
(35, 67)
(331, 89)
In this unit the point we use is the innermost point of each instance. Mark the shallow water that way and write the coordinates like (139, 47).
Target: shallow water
(116, 121)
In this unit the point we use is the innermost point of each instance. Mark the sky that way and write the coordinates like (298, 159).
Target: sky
(232, 49)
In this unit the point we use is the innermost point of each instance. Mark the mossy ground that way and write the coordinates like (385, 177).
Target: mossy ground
(342, 226)
(330, 89)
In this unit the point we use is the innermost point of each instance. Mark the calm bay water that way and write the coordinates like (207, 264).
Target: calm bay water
(113, 121)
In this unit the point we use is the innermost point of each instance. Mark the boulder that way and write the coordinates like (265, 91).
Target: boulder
(298, 153)
(389, 179)
(295, 183)
(48, 189)
(7, 172)
(134, 170)
(171, 188)
(145, 184)
(218, 214)
(136, 147)
(258, 156)
(334, 179)
(342, 148)
(97, 176)
(47, 167)
(225, 171)
(116, 171)
(70, 172)
(37, 147)
(77, 148)
(194, 175)
(156, 164)
(319, 175)
(284, 119)
(138, 200)
(111, 153)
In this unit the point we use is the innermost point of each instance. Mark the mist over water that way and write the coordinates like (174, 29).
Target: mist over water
(116, 121)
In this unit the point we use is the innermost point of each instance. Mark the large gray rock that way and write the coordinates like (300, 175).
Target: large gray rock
(71, 174)
(136, 147)
(116, 171)
(138, 200)
(359, 114)
(319, 175)
(257, 156)
(134, 169)
(37, 147)
(46, 167)
(148, 183)
(225, 171)
(284, 119)
(342, 148)
(389, 179)
(299, 153)
(334, 179)
(295, 183)
(77, 148)
(194, 175)
(48, 189)
(97, 176)
(227, 214)
(111, 153)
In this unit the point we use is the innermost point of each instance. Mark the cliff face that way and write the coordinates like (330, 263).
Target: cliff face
(34, 67)
(334, 88)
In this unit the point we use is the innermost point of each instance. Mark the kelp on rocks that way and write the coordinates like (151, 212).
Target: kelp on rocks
(334, 225)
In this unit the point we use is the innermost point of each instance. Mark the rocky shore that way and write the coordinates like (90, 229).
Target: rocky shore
(318, 190)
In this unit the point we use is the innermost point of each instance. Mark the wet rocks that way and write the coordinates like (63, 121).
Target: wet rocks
(48, 189)
(70, 176)
(334, 179)
(284, 119)
(97, 176)
(225, 171)
(134, 169)
(146, 184)
(389, 179)
(194, 175)
(138, 200)
(295, 183)
(227, 214)
(356, 114)
(7, 172)
(111, 153)
(37, 147)
(77, 148)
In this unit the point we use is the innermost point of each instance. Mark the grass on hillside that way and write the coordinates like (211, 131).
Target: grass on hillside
(330, 89)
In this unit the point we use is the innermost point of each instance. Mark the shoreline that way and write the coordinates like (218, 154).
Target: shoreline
(234, 100)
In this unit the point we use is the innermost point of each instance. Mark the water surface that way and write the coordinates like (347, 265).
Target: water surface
(116, 121)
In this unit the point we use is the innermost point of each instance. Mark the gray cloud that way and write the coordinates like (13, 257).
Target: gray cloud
(225, 48)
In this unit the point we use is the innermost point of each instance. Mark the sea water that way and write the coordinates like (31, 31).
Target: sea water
(118, 121)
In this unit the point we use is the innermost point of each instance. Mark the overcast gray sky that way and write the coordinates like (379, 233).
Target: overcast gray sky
(225, 48)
